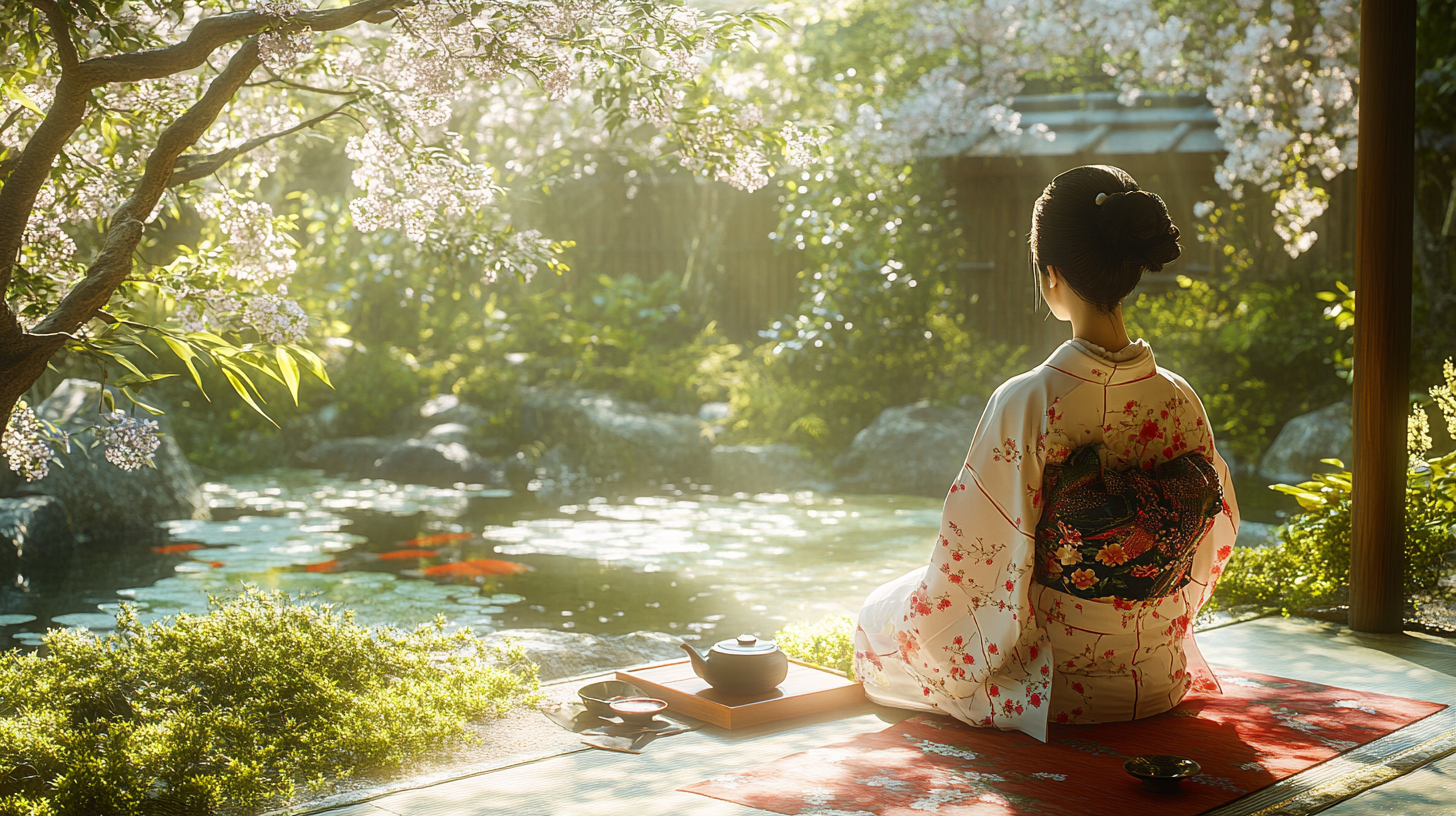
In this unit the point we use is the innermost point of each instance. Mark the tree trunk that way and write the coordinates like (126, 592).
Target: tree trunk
(23, 359)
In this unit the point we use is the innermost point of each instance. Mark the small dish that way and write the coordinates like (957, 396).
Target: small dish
(638, 710)
(1161, 773)
(597, 697)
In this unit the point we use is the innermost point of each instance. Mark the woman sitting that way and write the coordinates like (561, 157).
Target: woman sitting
(1090, 520)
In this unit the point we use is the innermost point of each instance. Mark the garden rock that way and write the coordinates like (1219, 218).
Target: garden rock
(447, 408)
(569, 654)
(911, 450)
(1256, 535)
(421, 462)
(352, 458)
(106, 503)
(1305, 440)
(35, 530)
(760, 468)
(412, 461)
(448, 433)
(605, 436)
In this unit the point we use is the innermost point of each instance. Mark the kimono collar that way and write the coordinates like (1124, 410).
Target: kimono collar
(1092, 363)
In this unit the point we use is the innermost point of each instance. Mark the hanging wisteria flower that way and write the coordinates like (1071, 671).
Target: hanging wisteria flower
(130, 442)
(1418, 434)
(25, 443)
(277, 319)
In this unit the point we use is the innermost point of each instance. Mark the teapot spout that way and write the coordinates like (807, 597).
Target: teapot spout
(698, 663)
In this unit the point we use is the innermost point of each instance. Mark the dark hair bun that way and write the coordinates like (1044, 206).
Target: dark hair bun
(1101, 232)
(1135, 225)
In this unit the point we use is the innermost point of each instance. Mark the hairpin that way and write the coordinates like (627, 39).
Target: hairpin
(1101, 197)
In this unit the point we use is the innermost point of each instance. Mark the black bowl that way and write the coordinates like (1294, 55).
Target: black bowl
(1161, 773)
(597, 697)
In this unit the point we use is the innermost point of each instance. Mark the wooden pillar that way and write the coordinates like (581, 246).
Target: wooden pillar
(1383, 271)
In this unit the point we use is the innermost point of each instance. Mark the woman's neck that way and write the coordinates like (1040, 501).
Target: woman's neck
(1100, 328)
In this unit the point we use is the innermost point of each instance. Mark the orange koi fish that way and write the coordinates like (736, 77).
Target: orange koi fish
(440, 538)
(214, 564)
(476, 568)
(403, 554)
(186, 546)
(331, 565)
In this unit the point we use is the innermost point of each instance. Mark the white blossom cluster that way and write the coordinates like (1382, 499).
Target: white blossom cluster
(25, 444)
(748, 170)
(800, 147)
(1286, 108)
(281, 49)
(207, 310)
(276, 319)
(130, 442)
(412, 190)
(257, 248)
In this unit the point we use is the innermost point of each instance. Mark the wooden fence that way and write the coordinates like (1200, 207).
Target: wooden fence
(716, 238)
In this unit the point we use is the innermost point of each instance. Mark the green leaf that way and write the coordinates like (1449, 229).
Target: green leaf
(314, 363)
(20, 96)
(131, 395)
(187, 355)
(243, 392)
(289, 368)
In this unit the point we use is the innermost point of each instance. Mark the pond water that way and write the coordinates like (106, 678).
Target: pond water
(696, 564)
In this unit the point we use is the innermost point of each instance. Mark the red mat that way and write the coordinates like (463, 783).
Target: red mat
(1259, 731)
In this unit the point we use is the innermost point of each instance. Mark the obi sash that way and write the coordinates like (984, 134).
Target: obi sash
(1128, 534)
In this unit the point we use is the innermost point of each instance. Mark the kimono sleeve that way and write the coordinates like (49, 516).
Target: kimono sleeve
(969, 632)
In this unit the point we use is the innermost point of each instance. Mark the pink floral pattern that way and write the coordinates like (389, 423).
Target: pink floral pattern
(967, 636)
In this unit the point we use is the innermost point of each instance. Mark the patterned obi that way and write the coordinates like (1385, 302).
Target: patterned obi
(1128, 534)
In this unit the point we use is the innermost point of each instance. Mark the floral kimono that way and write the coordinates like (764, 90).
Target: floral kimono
(1084, 618)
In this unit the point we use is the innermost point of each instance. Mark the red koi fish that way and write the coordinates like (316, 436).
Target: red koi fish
(331, 565)
(476, 568)
(172, 549)
(399, 555)
(440, 538)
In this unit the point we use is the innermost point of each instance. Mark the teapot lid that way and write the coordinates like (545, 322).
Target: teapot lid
(745, 645)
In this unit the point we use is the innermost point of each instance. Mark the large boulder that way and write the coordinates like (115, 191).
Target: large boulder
(447, 408)
(353, 457)
(605, 436)
(410, 461)
(765, 468)
(1305, 440)
(35, 530)
(416, 461)
(104, 501)
(568, 654)
(912, 449)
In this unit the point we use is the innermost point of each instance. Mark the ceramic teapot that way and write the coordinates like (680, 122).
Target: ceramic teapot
(742, 666)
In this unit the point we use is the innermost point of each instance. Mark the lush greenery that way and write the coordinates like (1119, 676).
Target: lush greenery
(828, 642)
(1311, 564)
(248, 702)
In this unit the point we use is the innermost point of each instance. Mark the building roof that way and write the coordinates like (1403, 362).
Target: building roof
(1097, 124)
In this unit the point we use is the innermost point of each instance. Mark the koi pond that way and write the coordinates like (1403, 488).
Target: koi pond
(682, 561)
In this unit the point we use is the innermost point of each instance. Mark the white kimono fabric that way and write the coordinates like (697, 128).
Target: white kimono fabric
(973, 635)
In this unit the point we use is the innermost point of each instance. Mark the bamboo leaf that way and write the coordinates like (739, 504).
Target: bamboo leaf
(314, 363)
(243, 392)
(131, 395)
(289, 369)
(185, 353)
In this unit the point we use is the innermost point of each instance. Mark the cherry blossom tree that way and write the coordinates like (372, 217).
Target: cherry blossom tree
(143, 140)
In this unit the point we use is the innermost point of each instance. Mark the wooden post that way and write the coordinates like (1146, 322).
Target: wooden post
(1383, 312)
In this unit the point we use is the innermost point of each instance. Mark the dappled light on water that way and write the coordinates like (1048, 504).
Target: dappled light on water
(692, 564)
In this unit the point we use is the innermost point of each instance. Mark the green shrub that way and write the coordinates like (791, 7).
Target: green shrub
(1311, 564)
(235, 707)
(828, 643)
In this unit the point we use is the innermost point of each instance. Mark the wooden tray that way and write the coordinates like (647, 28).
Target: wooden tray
(807, 690)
